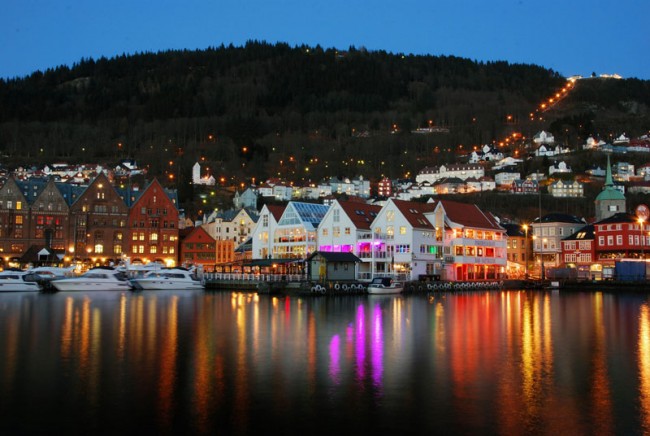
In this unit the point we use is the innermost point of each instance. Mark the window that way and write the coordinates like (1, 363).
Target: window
(336, 217)
(390, 216)
(402, 230)
(19, 219)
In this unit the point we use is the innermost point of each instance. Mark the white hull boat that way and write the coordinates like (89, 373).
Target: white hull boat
(384, 285)
(13, 280)
(167, 279)
(95, 279)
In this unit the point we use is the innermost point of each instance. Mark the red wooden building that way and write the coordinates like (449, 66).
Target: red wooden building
(198, 248)
(153, 226)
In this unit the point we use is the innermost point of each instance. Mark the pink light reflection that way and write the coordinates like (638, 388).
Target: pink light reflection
(377, 347)
(335, 359)
(360, 343)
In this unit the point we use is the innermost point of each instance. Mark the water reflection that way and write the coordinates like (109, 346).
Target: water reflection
(195, 362)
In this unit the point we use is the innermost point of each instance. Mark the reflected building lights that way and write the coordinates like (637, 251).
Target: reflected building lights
(644, 367)
(377, 347)
(601, 392)
(335, 360)
(168, 360)
(360, 344)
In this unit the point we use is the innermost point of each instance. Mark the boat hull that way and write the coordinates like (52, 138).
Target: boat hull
(165, 285)
(381, 290)
(83, 285)
(20, 287)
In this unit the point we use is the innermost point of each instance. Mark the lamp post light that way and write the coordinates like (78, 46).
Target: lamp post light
(525, 226)
(642, 241)
(542, 252)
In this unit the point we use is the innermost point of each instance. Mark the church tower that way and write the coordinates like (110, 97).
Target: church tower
(610, 201)
(196, 174)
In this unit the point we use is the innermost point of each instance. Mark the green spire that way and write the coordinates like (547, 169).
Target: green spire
(608, 176)
(609, 192)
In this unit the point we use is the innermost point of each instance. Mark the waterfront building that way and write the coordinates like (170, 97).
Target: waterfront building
(294, 236)
(14, 221)
(547, 236)
(153, 230)
(474, 244)
(198, 248)
(346, 228)
(517, 250)
(262, 234)
(579, 253)
(48, 225)
(99, 223)
(234, 225)
(399, 228)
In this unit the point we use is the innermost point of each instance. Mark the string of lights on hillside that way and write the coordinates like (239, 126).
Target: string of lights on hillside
(536, 115)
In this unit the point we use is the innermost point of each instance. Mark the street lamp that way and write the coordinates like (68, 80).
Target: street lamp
(642, 241)
(542, 252)
(525, 226)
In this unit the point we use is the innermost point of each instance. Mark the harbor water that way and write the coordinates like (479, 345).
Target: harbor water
(238, 363)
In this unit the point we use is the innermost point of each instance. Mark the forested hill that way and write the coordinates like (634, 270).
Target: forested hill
(301, 112)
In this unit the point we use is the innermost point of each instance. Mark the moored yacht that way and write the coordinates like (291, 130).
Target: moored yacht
(16, 280)
(102, 278)
(384, 285)
(167, 278)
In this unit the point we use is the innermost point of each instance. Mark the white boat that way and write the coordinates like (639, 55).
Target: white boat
(102, 278)
(133, 270)
(16, 280)
(45, 274)
(51, 272)
(384, 285)
(167, 278)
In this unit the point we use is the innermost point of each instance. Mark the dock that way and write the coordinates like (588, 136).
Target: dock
(299, 285)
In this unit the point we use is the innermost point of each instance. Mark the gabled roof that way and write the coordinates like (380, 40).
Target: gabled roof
(309, 214)
(621, 217)
(469, 215)
(335, 256)
(414, 212)
(514, 230)
(559, 218)
(276, 210)
(585, 233)
(361, 214)
(197, 232)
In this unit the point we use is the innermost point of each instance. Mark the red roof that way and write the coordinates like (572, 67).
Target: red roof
(469, 215)
(361, 214)
(414, 211)
(276, 210)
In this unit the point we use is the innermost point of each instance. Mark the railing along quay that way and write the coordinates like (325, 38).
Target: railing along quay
(296, 283)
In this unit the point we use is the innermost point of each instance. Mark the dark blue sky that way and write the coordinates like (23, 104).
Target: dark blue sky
(570, 37)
